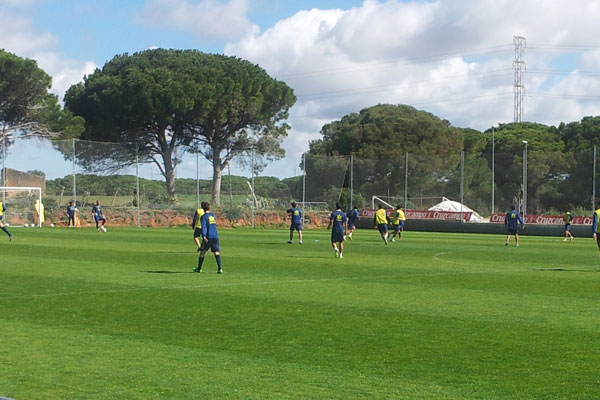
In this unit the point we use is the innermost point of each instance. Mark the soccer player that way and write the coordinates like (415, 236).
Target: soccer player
(595, 220)
(380, 221)
(98, 216)
(398, 222)
(197, 226)
(511, 220)
(71, 210)
(568, 218)
(296, 225)
(353, 216)
(210, 238)
(2, 211)
(337, 220)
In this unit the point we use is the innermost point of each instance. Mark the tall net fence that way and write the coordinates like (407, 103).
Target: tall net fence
(138, 190)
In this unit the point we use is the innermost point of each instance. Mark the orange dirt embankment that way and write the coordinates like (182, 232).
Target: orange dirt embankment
(169, 218)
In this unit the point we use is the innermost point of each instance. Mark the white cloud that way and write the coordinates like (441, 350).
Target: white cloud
(18, 36)
(453, 58)
(208, 19)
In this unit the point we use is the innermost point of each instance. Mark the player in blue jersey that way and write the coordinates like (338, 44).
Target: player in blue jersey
(98, 216)
(595, 219)
(2, 211)
(71, 211)
(296, 225)
(337, 223)
(210, 238)
(353, 216)
(512, 221)
(567, 219)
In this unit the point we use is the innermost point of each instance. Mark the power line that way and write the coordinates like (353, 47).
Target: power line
(436, 82)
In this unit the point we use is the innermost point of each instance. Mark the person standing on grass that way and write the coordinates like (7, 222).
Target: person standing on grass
(398, 223)
(210, 238)
(296, 225)
(71, 211)
(2, 211)
(197, 226)
(98, 216)
(512, 220)
(380, 221)
(568, 218)
(595, 219)
(353, 216)
(337, 223)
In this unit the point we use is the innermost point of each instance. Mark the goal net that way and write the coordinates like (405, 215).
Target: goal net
(23, 205)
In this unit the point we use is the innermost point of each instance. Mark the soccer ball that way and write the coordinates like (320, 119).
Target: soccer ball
(51, 225)
(26, 225)
(103, 229)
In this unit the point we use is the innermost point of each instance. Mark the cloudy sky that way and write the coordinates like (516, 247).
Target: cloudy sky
(453, 58)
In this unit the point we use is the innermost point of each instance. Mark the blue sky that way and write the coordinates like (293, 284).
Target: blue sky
(452, 58)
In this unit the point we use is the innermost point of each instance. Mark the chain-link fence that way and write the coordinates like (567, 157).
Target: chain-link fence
(142, 191)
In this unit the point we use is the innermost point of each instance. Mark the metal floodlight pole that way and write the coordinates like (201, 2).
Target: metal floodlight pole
(524, 178)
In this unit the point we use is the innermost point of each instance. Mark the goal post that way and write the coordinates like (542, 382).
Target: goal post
(23, 205)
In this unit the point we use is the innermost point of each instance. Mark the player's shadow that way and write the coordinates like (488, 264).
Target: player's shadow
(168, 272)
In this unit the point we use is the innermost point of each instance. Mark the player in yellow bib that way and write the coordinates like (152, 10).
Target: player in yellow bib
(398, 223)
(380, 221)
(2, 210)
(197, 226)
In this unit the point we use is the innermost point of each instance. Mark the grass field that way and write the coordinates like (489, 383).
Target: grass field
(120, 315)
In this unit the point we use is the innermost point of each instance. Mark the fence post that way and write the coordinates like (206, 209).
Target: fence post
(462, 183)
(351, 181)
(303, 186)
(253, 191)
(74, 176)
(137, 185)
(197, 180)
(594, 182)
(405, 180)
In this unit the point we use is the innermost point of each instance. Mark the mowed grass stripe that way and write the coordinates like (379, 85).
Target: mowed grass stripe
(384, 322)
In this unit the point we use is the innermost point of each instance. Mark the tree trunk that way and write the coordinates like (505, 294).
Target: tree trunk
(216, 182)
(169, 174)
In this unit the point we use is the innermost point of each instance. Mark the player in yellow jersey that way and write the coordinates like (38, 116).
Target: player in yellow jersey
(2, 210)
(380, 221)
(398, 223)
(197, 226)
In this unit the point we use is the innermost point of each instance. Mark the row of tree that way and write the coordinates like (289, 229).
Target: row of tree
(159, 103)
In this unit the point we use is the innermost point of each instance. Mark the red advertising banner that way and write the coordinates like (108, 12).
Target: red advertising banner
(422, 214)
(544, 219)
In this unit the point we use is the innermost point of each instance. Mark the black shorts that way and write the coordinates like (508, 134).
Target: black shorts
(337, 237)
(212, 245)
(197, 232)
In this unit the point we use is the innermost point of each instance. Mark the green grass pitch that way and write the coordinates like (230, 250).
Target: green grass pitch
(120, 315)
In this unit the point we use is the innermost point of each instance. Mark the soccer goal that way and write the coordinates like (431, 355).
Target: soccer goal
(23, 204)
